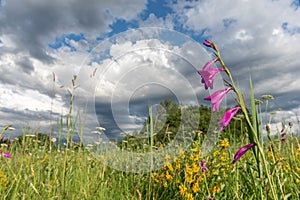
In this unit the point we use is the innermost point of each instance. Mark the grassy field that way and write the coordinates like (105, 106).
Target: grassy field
(36, 172)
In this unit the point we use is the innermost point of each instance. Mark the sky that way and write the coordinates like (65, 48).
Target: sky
(129, 54)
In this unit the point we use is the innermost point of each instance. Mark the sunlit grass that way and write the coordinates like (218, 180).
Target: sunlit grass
(36, 172)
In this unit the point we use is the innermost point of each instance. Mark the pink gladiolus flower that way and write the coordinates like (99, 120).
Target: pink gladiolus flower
(227, 117)
(242, 151)
(208, 74)
(203, 166)
(216, 98)
(7, 155)
(210, 44)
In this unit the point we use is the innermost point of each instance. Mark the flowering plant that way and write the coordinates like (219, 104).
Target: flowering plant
(208, 75)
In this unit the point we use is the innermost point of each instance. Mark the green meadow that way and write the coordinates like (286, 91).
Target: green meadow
(38, 169)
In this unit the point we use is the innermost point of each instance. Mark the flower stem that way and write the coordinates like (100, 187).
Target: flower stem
(253, 131)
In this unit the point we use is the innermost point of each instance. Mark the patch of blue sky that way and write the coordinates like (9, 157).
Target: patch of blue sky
(119, 26)
(296, 4)
(99, 57)
(160, 8)
(291, 31)
(65, 39)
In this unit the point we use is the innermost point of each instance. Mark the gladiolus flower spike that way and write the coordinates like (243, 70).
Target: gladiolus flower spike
(203, 166)
(7, 155)
(242, 151)
(229, 114)
(216, 98)
(209, 74)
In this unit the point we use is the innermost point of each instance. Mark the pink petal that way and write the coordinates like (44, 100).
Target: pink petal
(216, 98)
(242, 151)
(208, 74)
(229, 114)
(7, 155)
(209, 43)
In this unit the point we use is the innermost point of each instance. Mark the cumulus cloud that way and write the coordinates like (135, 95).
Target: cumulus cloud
(147, 70)
(153, 21)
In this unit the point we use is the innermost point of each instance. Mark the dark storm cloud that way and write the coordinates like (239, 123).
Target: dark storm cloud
(24, 118)
(114, 120)
(33, 24)
(26, 65)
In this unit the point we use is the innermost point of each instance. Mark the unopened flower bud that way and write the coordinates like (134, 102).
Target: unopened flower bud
(268, 128)
(210, 44)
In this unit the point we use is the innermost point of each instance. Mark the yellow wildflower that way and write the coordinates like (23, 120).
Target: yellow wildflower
(177, 166)
(165, 184)
(156, 180)
(3, 180)
(182, 189)
(270, 155)
(181, 152)
(216, 173)
(297, 152)
(175, 160)
(196, 188)
(170, 167)
(199, 179)
(195, 168)
(224, 143)
(162, 176)
(168, 176)
(216, 189)
(223, 158)
(189, 196)
(190, 179)
(195, 150)
(287, 168)
(189, 170)
(194, 158)
(216, 153)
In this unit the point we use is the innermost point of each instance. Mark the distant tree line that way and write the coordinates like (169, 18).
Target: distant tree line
(171, 119)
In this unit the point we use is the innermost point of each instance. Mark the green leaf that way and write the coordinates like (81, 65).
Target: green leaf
(254, 122)
(253, 110)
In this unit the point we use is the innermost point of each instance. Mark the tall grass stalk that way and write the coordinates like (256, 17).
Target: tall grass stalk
(70, 126)
(151, 144)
